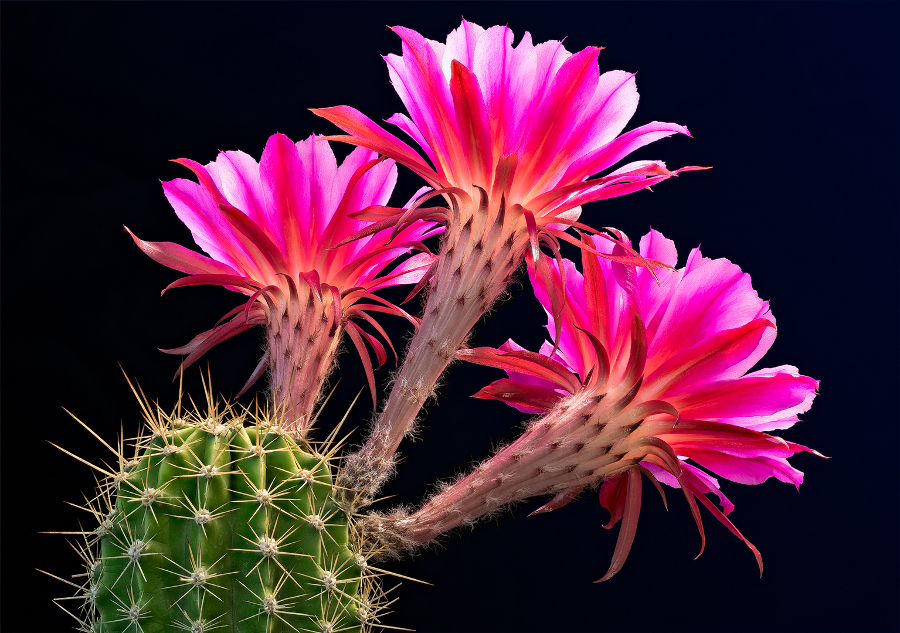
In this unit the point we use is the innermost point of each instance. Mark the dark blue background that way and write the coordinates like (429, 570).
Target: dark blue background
(795, 106)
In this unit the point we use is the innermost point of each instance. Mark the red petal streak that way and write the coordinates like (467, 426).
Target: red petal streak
(369, 230)
(695, 511)
(312, 280)
(351, 296)
(405, 217)
(708, 358)
(336, 309)
(368, 307)
(662, 451)
(378, 212)
(338, 218)
(251, 231)
(367, 134)
(181, 258)
(637, 354)
(612, 497)
(377, 347)
(595, 294)
(630, 515)
(503, 176)
(516, 393)
(705, 435)
(205, 179)
(471, 119)
(202, 343)
(364, 260)
(247, 306)
(412, 270)
(375, 212)
(524, 362)
(413, 213)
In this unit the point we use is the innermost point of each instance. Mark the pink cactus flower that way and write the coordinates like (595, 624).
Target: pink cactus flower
(645, 377)
(512, 135)
(266, 228)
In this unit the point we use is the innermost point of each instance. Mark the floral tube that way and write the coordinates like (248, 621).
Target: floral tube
(266, 228)
(511, 136)
(646, 377)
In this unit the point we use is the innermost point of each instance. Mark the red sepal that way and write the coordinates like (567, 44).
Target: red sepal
(517, 393)
(523, 362)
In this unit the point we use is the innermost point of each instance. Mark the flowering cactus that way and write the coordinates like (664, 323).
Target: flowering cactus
(513, 134)
(645, 374)
(232, 519)
(266, 228)
(217, 523)
(213, 524)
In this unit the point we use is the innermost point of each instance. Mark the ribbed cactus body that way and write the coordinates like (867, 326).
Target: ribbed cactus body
(225, 527)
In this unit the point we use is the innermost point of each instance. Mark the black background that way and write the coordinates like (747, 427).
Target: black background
(795, 106)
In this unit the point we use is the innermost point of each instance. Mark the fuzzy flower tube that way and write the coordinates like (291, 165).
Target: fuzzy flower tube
(266, 228)
(512, 136)
(647, 378)
(227, 518)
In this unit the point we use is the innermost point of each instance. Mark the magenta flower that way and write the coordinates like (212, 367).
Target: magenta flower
(512, 135)
(267, 227)
(646, 378)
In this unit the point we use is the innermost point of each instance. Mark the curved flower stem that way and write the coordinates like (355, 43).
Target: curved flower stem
(560, 452)
(476, 262)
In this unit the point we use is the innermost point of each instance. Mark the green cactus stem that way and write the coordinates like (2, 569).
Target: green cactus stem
(222, 521)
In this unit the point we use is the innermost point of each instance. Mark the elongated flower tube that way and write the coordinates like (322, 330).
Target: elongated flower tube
(645, 377)
(512, 135)
(266, 227)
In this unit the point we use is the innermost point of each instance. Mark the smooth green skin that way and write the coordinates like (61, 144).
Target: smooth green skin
(227, 546)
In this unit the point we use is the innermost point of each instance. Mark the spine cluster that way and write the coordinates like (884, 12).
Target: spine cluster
(223, 521)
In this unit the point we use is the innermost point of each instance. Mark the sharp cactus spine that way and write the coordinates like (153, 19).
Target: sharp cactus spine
(222, 521)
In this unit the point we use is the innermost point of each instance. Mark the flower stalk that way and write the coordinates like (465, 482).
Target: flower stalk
(512, 136)
(643, 376)
(267, 228)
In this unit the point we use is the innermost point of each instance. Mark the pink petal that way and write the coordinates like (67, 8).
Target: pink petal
(286, 194)
(434, 115)
(612, 106)
(461, 44)
(713, 358)
(610, 154)
(748, 397)
(406, 124)
(711, 296)
(209, 229)
(238, 177)
(570, 92)
(319, 173)
(748, 470)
